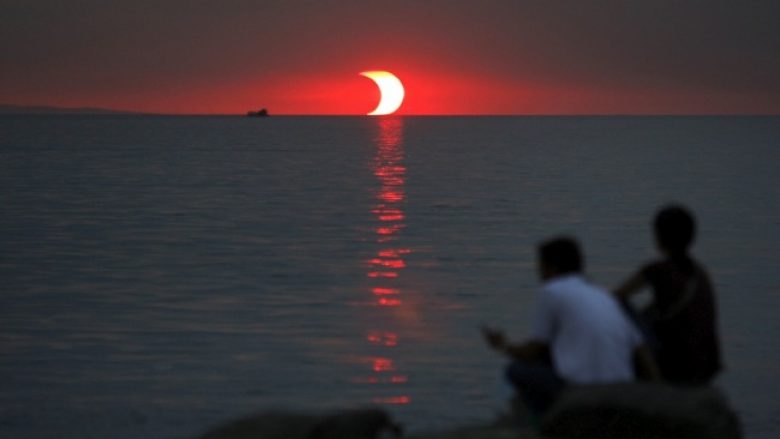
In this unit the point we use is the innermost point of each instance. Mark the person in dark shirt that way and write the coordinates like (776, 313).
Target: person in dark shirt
(682, 318)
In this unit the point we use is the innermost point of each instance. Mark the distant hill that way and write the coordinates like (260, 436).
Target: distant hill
(23, 109)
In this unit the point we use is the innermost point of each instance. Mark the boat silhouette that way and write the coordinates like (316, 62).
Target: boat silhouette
(260, 113)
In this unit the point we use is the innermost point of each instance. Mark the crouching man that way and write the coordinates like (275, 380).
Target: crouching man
(580, 334)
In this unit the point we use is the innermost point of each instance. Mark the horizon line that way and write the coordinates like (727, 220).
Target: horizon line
(16, 109)
(41, 110)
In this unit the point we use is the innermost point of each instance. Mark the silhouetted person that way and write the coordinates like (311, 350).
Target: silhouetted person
(580, 334)
(682, 317)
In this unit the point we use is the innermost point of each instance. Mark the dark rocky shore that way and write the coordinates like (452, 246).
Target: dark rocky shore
(635, 411)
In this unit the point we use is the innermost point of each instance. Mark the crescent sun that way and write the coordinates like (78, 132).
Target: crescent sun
(391, 91)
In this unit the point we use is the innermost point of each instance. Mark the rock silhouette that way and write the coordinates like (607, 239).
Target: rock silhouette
(350, 424)
(641, 411)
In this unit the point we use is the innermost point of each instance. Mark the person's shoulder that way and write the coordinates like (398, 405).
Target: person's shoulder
(651, 269)
(701, 272)
(656, 264)
(586, 284)
(699, 267)
(558, 282)
(554, 287)
(568, 283)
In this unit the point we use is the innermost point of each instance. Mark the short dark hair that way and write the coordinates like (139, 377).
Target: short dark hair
(561, 253)
(674, 228)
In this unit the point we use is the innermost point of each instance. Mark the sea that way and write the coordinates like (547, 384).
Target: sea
(160, 275)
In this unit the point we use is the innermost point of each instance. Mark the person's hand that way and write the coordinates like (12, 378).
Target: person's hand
(494, 337)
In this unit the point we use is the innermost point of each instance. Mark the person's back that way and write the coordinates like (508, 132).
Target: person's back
(591, 339)
(683, 317)
(685, 321)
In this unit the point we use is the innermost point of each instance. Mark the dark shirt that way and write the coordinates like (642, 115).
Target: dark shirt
(685, 321)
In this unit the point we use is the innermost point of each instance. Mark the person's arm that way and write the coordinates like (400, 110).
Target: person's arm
(645, 365)
(529, 350)
(630, 286)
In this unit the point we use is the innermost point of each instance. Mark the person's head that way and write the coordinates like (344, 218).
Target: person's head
(675, 230)
(559, 256)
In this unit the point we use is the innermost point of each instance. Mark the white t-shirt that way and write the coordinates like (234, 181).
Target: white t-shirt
(591, 339)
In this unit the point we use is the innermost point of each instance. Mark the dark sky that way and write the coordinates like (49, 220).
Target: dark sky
(454, 56)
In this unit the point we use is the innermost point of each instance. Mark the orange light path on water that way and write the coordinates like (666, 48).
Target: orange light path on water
(385, 274)
(379, 291)
(397, 400)
(386, 265)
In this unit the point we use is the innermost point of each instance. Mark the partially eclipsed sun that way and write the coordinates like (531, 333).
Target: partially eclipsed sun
(390, 89)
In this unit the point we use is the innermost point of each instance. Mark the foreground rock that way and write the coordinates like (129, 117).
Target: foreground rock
(354, 424)
(480, 432)
(620, 411)
(641, 411)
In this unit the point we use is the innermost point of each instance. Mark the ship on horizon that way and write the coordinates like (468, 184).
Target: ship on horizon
(260, 113)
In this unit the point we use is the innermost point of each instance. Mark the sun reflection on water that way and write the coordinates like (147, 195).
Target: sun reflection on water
(385, 267)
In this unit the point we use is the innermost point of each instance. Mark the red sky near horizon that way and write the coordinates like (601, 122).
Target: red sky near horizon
(453, 57)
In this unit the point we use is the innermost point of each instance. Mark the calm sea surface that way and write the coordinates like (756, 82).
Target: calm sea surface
(161, 274)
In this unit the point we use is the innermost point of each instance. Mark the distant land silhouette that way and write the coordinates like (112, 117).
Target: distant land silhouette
(40, 109)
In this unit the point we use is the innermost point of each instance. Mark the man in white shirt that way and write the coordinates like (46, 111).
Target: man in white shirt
(580, 334)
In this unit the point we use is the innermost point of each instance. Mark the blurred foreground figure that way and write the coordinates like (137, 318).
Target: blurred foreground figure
(681, 322)
(580, 334)
(350, 424)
